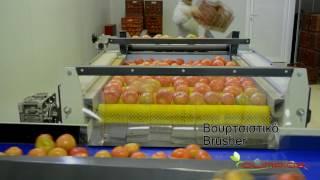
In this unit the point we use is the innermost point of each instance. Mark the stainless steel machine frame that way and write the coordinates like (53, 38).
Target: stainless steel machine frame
(287, 88)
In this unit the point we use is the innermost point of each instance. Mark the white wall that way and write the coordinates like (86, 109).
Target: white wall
(40, 37)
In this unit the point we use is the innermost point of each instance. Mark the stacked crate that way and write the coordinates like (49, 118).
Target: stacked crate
(309, 47)
(133, 22)
(134, 7)
(133, 25)
(153, 14)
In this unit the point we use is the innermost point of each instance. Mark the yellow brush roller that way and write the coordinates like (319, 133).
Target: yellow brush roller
(185, 114)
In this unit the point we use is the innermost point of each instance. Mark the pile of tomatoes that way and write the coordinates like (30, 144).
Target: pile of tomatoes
(132, 150)
(66, 145)
(45, 145)
(179, 90)
(216, 61)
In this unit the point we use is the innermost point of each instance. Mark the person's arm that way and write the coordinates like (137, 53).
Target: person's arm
(182, 14)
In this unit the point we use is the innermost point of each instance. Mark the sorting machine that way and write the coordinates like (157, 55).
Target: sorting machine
(287, 90)
(163, 127)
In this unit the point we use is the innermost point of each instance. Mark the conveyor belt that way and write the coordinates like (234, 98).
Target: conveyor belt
(144, 169)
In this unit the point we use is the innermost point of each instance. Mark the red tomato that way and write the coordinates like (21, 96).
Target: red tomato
(111, 96)
(193, 150)
(180, 153)
(159, 155)
(116, 81)
(120, 152)
(228, 99)
(14, 151)
(130, 97)
(151, 60)
(180, 82)
(163, 64)
(183, 88)
(78, 150)
(146, 77)
(164, 80)
(203, 155)
(119, 78)
(218, 63)
(164, 96)
(103, 154)
(37, 152)
(202, 88)
(132, 148)
(139, 61)
(196, 62)
(113, 86)
(138, 155)
(130, 79)
(146, 64)
(231, 63)
(130, 88)
(219, 78)
(247, 84)
(180, 61)
(180, 97)
(81, 155)
(57, 152)
(217, 85)
(176, 78)
(206, 62)
(170, 61)
(66, 141)
(196, 98)
(204, 80)
(212, 98)
(192, 80)
(190, 62)
(232, 81)
(235, 90)
(220, 58)
(242, 79)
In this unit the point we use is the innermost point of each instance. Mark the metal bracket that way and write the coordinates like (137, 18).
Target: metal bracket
(123, 48)
(235, 47)
(229, 45)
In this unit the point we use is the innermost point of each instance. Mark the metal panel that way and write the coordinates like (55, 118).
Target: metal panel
(125, 41)
(185, 71)
(179, 47)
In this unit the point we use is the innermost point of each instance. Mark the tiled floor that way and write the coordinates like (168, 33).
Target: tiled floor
(315, 107)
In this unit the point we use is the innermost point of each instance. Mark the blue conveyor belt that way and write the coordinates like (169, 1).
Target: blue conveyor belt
(309, 157)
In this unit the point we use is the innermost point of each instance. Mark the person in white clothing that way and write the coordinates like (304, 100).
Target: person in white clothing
(187, 10)
(182, 17)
